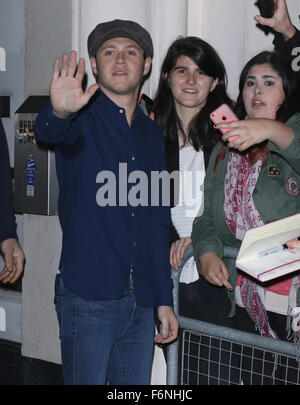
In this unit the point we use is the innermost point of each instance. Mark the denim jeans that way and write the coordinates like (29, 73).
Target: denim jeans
(104, 341)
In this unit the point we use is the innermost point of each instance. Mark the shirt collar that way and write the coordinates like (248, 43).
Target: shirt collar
(104, 100)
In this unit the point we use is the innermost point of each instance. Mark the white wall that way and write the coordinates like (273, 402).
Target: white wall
(228, 25)
(48, 26)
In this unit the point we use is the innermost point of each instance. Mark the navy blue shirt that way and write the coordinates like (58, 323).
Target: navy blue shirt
(7, 218)
(102, 245)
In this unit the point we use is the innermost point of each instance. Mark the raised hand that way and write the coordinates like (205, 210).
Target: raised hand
(280, 22)
(66, 92)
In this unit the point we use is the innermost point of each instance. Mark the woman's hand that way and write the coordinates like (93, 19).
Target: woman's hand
(293, 244)
(246, 133)
(214, 270)
(177, 251)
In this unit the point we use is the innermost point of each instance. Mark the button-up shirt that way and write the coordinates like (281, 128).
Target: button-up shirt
(7, 218)
(111, 234)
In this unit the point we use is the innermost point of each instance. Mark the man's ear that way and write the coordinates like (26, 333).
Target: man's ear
(93, 65)
(147, 65)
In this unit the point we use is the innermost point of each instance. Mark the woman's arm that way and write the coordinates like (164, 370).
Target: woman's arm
(207, 246)
(247, 133)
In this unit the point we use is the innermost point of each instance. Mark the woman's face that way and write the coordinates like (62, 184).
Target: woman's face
(189, 85)
(263, 93)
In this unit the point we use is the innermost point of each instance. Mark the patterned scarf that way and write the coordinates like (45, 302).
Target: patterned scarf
(241, 215)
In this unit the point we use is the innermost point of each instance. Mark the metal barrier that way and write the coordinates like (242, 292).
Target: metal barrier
(217, 355)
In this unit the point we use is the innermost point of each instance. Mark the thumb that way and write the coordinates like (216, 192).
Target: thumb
(90, 92)
(92, 89)
(165, 328)
(263, 21)
(8, 259)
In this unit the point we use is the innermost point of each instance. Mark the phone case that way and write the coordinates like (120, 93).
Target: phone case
(223, 114)
(266, 8)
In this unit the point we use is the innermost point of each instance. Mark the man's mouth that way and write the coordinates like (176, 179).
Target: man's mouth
(120, 73)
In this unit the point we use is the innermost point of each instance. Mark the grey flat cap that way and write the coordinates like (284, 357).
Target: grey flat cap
(123, 29)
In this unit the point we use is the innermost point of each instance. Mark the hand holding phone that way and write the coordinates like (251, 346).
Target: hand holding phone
(223, 114)
(266, 8)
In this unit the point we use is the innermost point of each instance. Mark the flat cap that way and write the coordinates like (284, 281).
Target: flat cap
(123, 29)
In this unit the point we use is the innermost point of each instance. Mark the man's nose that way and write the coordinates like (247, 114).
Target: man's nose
(120, 57)
(191, 77)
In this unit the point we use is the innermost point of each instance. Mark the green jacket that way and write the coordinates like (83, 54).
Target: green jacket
(276, 195)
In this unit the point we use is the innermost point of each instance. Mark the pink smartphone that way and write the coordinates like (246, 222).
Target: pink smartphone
(223, 114)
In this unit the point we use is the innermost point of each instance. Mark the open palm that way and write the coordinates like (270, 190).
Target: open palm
(66, 92)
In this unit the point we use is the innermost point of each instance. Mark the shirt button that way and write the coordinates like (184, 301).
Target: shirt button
(133, 158)
(47, 123)
(134, 243)
(121, 111)
(133, 214)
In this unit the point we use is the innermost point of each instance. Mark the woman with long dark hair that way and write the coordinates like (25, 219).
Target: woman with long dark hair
(192, 84)
(253, 179)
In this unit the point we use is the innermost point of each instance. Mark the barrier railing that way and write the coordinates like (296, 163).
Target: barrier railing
(212, 354)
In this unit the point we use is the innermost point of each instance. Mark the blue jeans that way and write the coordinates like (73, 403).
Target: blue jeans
(104, 341)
